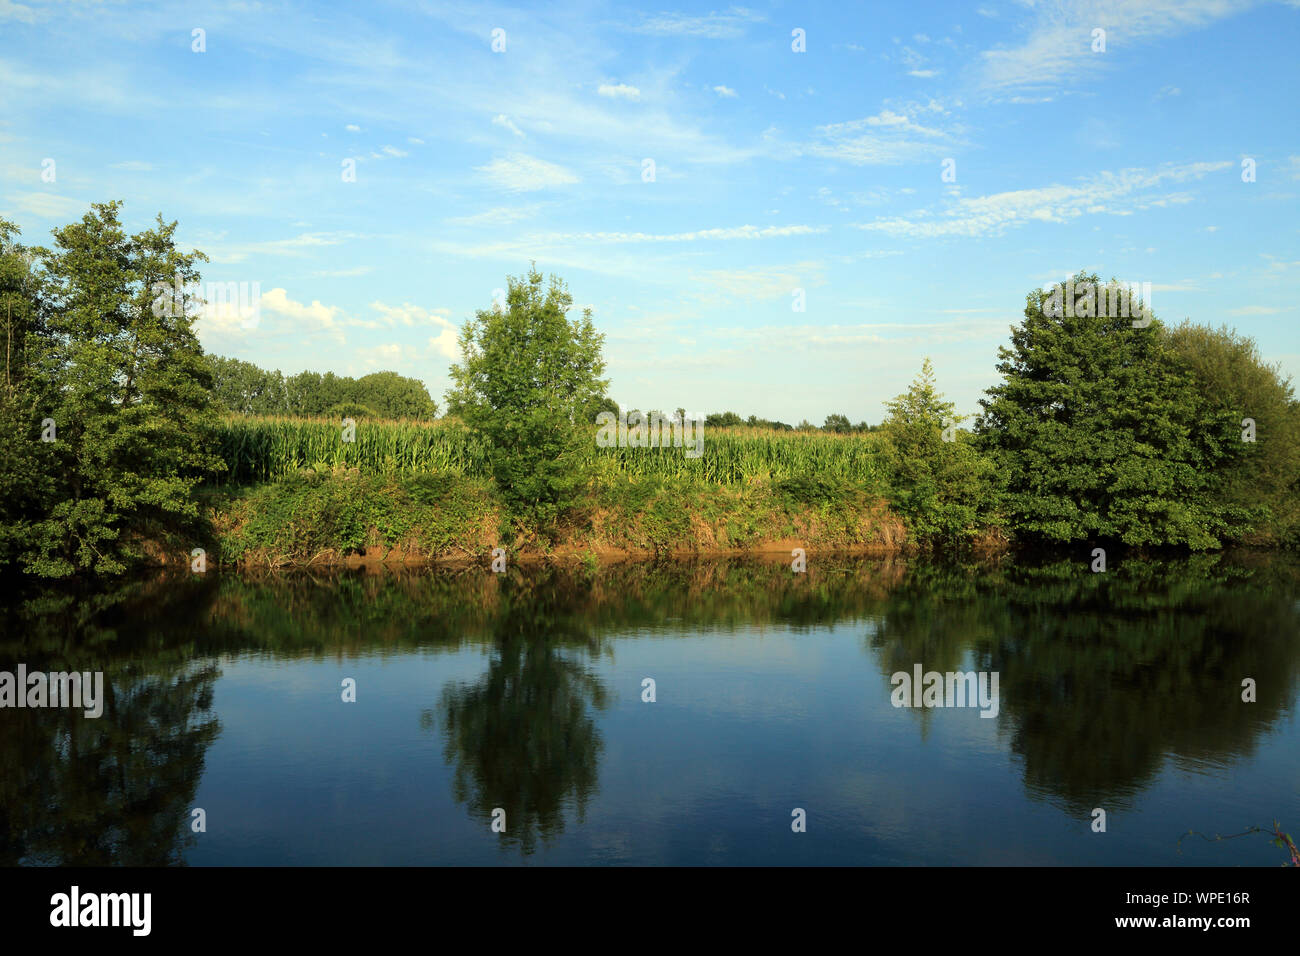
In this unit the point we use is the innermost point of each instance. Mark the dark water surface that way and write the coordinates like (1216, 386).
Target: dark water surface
(523, 692)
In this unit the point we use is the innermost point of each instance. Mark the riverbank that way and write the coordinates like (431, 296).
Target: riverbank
(343, 516)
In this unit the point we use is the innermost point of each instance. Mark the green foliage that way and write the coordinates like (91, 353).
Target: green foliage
(837, 423)
(353, 410)
(527, 377)
(116, 366)
(243, 388)
(942, 489)
(1100, 433)
(1234, 383)
(27, 467)
(342, 511)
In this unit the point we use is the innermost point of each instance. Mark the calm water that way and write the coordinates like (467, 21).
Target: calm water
(523, 692)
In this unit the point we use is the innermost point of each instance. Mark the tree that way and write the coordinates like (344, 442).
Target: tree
(124, 380)
(723, 420)
(394, 396)
(837, 423)
(28, 466)
(938, 482)
(1235, 384)
(1100, 434)
(527, 376)
(243, 388)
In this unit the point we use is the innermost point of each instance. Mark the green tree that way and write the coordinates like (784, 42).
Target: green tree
(394, 396)
(1234, 384)
(527, 376)
(837, 423)
(28, 465)
(243, 388)
(939, 483)
(723, 420)
(128, 388)
(1099, 432)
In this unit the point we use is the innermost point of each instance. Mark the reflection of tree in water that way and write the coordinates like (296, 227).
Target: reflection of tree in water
(523, 737)
(112, 790)
(1104, 675)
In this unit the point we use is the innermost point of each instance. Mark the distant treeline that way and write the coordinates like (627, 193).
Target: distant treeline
(244, 388)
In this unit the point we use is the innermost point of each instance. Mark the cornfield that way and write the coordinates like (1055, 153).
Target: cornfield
(262, 449)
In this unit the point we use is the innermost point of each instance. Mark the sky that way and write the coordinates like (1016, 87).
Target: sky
(779, 209)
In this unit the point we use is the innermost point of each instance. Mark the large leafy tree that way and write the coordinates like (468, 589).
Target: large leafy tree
(528, 375)
(1235, 384)
(121, 374)
(1099, 432)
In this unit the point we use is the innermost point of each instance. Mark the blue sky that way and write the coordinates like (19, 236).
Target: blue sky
(774, 171)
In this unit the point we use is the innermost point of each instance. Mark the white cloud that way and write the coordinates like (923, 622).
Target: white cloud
(890, 136)
(497, 216)
(351, 128)
(394, 151)
(411, 315)
(620, 90)
(1116, 193)
(343, 273)
(522, 173)
(297, 246)
(714, 26)
(277, 302)
(16, 11)
(504, 122)
(135, 165)
(734, 232)
(725, 91)
(49, 205)
(1059, 46)
(1257, 310)
(763, 282)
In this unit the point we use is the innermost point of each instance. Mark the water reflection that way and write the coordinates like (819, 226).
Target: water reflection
(523, 738)
(1105, 678)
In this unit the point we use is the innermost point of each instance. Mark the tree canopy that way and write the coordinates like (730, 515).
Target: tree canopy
(1099, 431)
(528, 377)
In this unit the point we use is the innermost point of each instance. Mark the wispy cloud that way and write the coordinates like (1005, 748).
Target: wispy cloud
(618, 90)
(761, 282)
(505, 123)
(714, 26)
(1059, 45)
(1115, 193)
(734, 232)
(890, 136)
(497, 216)
(522, 173)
